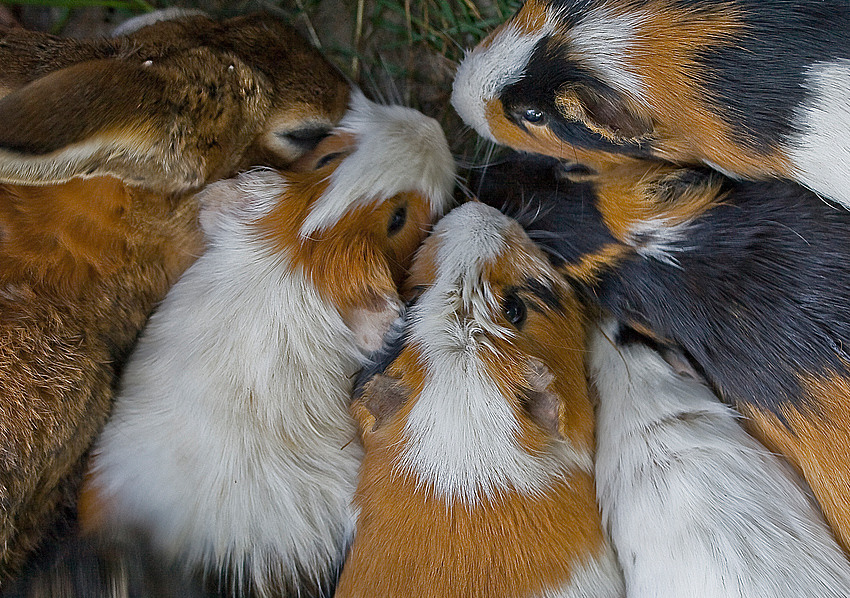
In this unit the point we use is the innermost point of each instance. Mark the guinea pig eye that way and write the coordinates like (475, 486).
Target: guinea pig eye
(514, 309)
(325, 160)
(397, 220)
(533, 115)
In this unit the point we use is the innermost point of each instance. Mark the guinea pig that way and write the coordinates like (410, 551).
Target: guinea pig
(754, 88)
(750, 279)
(478, 431)
(693, 504)
(230, 445)
(102, 146)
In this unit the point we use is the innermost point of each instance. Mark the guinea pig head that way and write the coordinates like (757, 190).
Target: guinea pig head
(352, 215)
(600, 82)
(478, 433)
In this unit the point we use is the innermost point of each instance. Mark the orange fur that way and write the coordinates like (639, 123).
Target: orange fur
(814, 439)
(412, 541)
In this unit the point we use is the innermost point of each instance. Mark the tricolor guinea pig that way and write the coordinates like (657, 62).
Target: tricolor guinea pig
(754, 88)
(230, 445)
(750, 279)
(693, 504)
(103, 144)
(478, 432)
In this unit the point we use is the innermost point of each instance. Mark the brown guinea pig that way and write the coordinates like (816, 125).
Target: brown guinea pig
(478, 432)
(754, 88)
(102, 146)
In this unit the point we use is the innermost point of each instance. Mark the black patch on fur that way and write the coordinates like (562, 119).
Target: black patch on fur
(543, 291)
(548, 71)
(529, 188)
(758, 296)
(759, 79)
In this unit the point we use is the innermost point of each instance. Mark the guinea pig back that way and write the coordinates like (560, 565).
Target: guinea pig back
(478, 436)
(231, 446)
(693, 504)
(753, 88)
(750, 279)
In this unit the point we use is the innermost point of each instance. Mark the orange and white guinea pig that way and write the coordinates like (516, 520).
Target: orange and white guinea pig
(754, 88)
(478, 432)
(231, 446)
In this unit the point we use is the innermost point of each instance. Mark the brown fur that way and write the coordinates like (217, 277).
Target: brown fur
(412, 542)
(83, 261)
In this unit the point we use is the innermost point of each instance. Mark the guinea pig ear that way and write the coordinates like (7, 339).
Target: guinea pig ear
(99, 117)
(380, 399)
(605, 114)
(543, 405)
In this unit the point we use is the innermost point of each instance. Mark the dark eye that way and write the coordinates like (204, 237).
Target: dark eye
(397, 220)
(514, 310)
(533, 115)
(306, 138)
(325, 160)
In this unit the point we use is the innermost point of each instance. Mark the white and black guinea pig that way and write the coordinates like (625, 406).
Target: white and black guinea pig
(231, 446)
(754, 88)
(693, 504)
(750, 278)
(478, 432)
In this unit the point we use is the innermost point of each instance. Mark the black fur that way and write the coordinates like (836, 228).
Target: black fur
(548, 71)
(757, 293)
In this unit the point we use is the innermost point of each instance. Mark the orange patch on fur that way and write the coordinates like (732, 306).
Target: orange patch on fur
(353, 263)
(650, 192)
(529, 19)
(588, 268)
(817, 441)
(541, 140)
(688, 123)
(512, 545)
(68, 236)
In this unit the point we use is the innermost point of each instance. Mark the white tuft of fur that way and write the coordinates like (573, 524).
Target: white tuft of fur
(603, 39)
(820, 152)
(694, 505)
(230, 442)
(171, 13)
(484, 72)
(461, 435)
(411, 142)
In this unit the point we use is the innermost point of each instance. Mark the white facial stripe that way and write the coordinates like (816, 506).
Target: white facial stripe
(461, 434)
(398, 150)
(821, 152)
(602, 40)
(484, 72)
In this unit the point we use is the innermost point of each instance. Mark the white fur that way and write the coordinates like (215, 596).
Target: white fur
(820, 153)
(602, 40)
(696, 507)
(600, 574)
(484, 72)
(230, 440)
(461, 435)
(231, 443)
(171, 13)
(408, 140)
